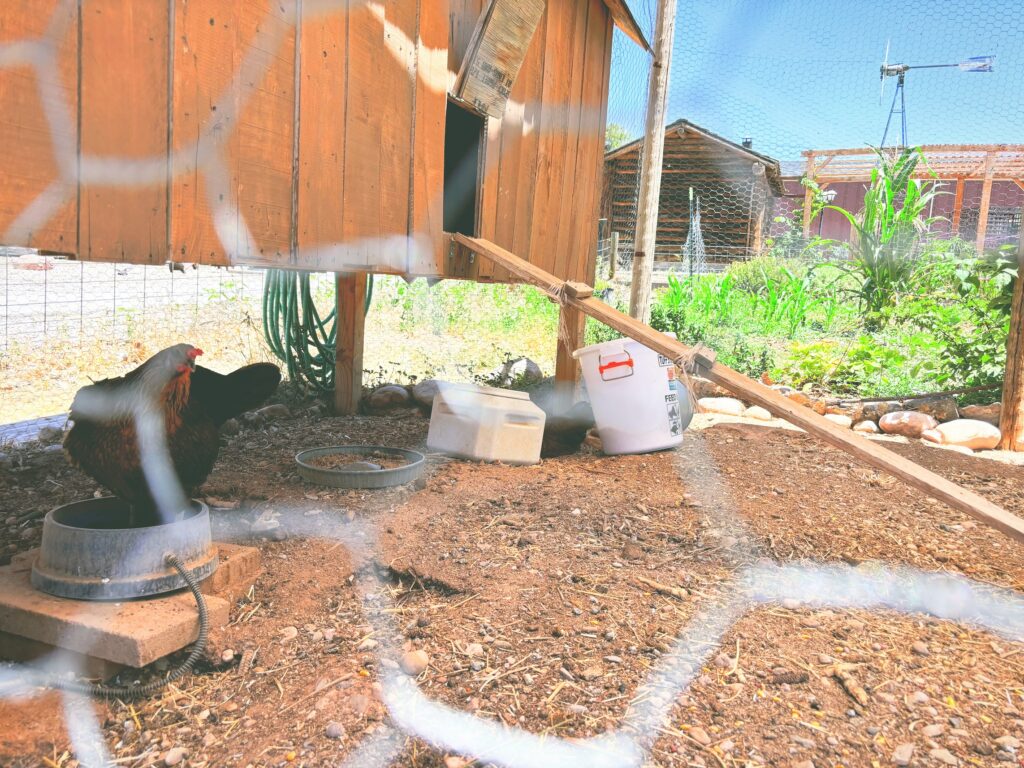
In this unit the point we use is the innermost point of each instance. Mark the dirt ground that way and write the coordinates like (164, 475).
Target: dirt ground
(545, 597)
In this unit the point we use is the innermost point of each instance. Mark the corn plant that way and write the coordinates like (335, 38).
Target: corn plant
(888, 231)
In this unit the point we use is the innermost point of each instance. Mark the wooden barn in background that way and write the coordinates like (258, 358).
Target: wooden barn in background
(735, 185)
(331, 135)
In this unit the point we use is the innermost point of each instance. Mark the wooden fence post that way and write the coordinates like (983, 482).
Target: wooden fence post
(350, 324)
(986, 199)
(1011, 420)
(645, 238)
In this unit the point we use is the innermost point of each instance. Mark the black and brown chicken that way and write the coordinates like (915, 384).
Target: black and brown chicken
(167, 394)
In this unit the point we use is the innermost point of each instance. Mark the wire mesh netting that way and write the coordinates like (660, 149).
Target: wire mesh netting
(51, 299)
(561, 626)
(753, 89)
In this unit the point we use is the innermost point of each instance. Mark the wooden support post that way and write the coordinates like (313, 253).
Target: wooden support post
(1011, 420)
(986, 199)
(958, 204)
(614, 256)
(650, 172)
(571, 324)
(872, 453)
(808, 197)
(348, 365)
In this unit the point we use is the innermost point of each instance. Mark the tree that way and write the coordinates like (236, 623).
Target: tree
(614, 137)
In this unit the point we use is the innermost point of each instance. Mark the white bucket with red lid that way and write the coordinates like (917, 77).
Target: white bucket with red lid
(636, 407)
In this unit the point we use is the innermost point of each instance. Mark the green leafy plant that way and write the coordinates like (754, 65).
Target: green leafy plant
(888, 232)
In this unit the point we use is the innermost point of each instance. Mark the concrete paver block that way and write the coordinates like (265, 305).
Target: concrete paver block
(133, 632)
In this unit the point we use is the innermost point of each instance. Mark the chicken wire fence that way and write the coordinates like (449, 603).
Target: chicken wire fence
(52, 299)
(754, 88)
(54, 296)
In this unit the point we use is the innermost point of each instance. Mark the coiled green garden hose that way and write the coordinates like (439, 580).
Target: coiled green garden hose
(298, 336)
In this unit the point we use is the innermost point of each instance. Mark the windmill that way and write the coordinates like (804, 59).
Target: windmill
(899, 71)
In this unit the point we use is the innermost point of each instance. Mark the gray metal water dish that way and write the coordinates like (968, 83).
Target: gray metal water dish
(88, 552)
(358, 474)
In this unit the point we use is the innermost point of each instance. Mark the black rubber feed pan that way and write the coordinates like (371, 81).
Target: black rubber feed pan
(362, 471)
(90, 552)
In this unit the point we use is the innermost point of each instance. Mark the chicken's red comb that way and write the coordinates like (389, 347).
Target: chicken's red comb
(194, 353)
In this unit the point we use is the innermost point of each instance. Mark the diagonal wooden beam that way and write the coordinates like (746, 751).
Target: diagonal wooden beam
(869, 452)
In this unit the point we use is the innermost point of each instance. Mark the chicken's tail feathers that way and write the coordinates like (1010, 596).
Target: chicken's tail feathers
(226, 397)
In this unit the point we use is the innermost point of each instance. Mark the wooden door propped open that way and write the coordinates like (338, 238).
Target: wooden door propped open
(496, 52)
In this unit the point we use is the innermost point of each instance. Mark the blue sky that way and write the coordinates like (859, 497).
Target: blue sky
(800, 74)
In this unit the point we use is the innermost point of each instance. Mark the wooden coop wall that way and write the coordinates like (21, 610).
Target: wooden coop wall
(291, 134)
(735, 203)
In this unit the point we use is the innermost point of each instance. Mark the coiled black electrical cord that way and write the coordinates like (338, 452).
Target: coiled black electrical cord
(138, 691)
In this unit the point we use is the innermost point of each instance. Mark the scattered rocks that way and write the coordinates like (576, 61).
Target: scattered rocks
(944, 756)
(903, 754)
(933, 730)
(335, 730)
(840, 419)
(989, 413)
(388, 397)
(804, 764)
(474, 649)
(264, 525)
(699, 735)
(522, 371)
(592, 673)
(227, 656)
(632, 551)
(939, 408)
(273, 412)
(757, 412)
(174, 756)
(414, 662)
(798, 397)
(966, 433)
(729, 406)
(49, 434)
(875, 411)
(423, 392)
(1008, 743)
(230, 428)
(921, 648)
(702, 387)
(866, 427)
(906, 423)
(288, 634)
(367, 644)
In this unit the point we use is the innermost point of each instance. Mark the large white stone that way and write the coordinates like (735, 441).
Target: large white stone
(729, 406)
(967, 433)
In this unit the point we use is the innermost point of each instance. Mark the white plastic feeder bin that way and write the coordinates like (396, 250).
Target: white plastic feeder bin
(636, 406)
(486, 424)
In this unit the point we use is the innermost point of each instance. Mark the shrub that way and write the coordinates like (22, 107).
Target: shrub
(757, 274)
(888, 233)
